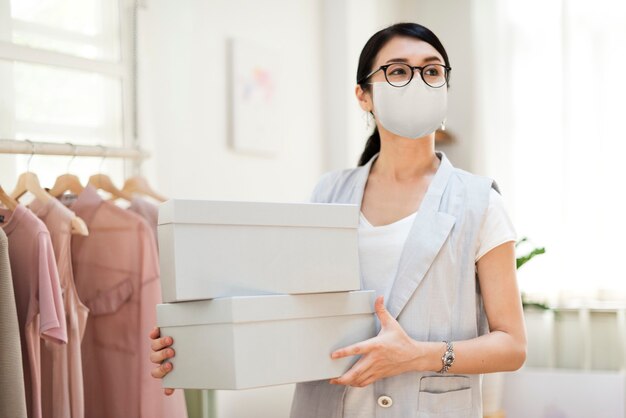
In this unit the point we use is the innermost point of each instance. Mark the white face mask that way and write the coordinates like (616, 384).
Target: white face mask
(411, 111)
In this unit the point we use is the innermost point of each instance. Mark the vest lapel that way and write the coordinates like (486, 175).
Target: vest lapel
(359, 182)
(429, 231)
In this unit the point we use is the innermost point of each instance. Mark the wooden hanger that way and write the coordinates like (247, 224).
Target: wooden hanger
(29, 182)
(103, 182)
(64, 183)
(67, 182)
(139, 184)
(70, 182)
(7, 201)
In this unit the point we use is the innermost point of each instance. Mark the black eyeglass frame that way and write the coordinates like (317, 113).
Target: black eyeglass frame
(413, 68)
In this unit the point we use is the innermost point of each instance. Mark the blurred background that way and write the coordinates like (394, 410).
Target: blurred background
(254, 100)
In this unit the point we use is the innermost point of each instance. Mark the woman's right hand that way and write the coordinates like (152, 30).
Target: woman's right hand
(161, 351)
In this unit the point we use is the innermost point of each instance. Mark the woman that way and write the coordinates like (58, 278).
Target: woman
(435, 243)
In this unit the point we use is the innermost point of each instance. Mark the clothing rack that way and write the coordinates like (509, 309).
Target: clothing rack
(26, 146)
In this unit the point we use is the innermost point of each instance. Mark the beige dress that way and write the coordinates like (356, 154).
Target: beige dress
(12, 399)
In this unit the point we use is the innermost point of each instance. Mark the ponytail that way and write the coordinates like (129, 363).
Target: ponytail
(372, 146)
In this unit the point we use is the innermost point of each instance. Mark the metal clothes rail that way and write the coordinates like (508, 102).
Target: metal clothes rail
(12, 146)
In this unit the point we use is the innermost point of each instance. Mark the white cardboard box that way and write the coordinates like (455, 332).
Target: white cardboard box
(255, 341)
(212, 249)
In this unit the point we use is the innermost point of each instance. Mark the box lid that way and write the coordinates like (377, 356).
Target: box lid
(331, 215)
(265, 308)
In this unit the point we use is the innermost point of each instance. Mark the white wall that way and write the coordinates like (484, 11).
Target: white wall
(183, 97)
(364, 19)
(451, 21)
(346, 27)
(183, 117)
(183, 89)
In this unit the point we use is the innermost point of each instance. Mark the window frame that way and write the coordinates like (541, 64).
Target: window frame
(123, 69)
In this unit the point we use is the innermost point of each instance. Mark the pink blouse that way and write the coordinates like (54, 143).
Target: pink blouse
(38, 298)
(116, 271)
(61, 366)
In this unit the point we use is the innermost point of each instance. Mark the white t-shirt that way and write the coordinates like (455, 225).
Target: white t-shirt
(380, 248)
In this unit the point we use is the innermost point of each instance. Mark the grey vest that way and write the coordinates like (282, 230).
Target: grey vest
(435, 295)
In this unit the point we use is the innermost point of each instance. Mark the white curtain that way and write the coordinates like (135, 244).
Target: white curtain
(552, 92)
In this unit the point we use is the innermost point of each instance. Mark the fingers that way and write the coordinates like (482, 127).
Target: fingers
(162, 370)
(354, 374)
(359, 377)
(352, 350)
(158, 357)
(368, 380)
(155, 333)
(168, 391)
(383, 314)
(160, 353)
(161, 343)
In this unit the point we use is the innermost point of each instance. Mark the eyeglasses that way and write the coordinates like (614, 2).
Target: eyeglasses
(400, 74)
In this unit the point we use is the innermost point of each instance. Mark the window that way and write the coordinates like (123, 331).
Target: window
(552, 95)
(66, 75)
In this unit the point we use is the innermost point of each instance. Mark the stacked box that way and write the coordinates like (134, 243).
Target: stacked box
(212, 249)
(260, 293)
(253, 341)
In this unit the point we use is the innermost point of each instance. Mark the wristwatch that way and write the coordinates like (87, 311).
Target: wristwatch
(448, 357)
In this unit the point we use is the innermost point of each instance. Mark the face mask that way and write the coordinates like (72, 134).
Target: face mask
(411, 111)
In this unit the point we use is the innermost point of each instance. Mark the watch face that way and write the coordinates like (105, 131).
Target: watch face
(449, 359)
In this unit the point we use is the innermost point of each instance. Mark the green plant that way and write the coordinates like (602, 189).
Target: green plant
(523, 259)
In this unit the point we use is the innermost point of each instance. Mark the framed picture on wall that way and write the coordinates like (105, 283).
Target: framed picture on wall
(254, 117)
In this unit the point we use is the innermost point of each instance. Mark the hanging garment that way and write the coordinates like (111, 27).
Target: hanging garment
(38, 297)
(174, 405)
(61, 365)
(148, 211)
(116, 271)
(12, 397)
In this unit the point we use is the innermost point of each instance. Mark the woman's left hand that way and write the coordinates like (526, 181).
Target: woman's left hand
(390, 353)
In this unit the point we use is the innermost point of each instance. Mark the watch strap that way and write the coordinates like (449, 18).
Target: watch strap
(448, 357)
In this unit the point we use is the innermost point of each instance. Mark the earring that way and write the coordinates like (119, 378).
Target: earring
(368, 124)
(443, 125)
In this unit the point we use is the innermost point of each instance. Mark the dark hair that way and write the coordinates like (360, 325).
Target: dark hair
(366, 61)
